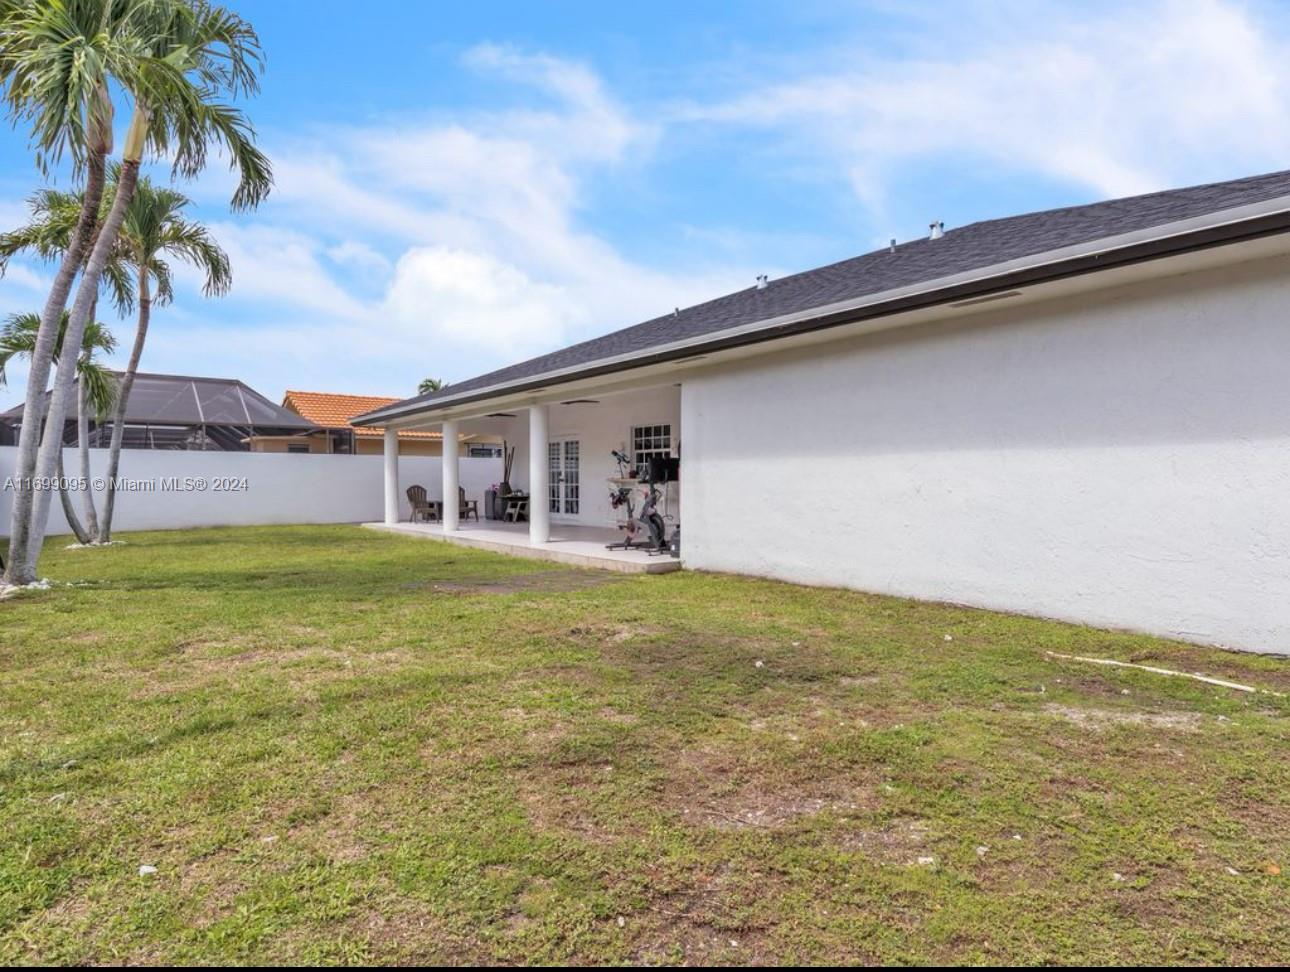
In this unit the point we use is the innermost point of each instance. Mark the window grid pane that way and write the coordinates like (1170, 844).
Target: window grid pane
(571, 477)
(553, 476)
(647, 441)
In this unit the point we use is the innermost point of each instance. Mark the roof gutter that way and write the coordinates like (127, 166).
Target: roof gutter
(1240, 224)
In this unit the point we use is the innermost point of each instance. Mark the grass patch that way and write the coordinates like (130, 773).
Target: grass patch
(343, 746)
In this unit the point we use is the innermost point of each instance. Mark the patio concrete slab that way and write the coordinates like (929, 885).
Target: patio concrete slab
(578, 546)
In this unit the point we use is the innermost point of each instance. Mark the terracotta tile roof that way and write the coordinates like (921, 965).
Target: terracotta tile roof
(332, 411)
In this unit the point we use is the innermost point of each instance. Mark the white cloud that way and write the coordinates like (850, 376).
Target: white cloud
(13, 212)
(469, 297)
(449, 243)
(595, 128)
(356, 254)
(22, 275)
(277, 265)
(1121, 102)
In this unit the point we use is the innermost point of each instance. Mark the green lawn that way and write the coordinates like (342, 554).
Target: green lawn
(341, 746)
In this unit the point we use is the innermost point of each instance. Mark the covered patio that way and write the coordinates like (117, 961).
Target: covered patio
(566, 463)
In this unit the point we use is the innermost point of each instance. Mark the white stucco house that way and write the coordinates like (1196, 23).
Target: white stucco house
(1082, 413)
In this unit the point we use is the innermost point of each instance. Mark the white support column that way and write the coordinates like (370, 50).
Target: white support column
(539, 477)
(451, 450)
(391, 476)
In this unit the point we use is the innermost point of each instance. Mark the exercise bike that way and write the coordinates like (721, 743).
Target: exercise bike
(620, 497)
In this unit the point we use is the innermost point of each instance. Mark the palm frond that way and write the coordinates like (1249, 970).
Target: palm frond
(98, 339)
(177, 59)
(118, 281)
(207, 53)
(189, 123)
(156, 226)
(162, 276)
(54, 214)
(17, 339)
(56, 62)
(193, 243)
(101, 387)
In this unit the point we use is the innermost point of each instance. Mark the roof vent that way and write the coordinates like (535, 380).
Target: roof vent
(891, 247)
(937, 231)
(763, 281)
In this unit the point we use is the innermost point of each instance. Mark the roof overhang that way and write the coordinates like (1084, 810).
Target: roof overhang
(967, 291)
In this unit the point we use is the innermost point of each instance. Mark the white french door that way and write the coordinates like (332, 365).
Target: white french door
(562, 463)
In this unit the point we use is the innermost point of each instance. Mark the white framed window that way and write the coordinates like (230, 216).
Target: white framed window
(647, 441)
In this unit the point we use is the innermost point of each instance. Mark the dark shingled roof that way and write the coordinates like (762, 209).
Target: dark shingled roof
(971, 247)
(182, 400)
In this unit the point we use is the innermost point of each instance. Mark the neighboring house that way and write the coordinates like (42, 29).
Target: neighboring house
(183, 412)
(331, 432)
(1082, 413)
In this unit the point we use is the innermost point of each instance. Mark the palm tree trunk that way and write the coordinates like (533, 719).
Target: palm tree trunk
(122, 396)
(24, 570)
(69, 511)
(83, 446)
(20, 567)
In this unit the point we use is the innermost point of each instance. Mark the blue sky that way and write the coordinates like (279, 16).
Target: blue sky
(463, 185)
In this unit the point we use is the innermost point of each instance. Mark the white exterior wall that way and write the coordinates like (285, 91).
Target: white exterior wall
(1121, 461)
(281, 488)
(600, 429)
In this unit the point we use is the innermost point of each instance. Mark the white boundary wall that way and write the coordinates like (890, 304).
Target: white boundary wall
(281, 488)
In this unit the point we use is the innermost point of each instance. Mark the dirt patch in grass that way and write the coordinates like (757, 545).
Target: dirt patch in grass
(406, 933)
(907, 841)
(682, 941)
(797, 718)
(279, 656)
(206, 656)
(338, 833)
(1102, 719)
(200, 646)
(541, 582)
(610, 635)
(562, 803)
(704, 917)
(210, 882)
(856, 681)
(610, 714)
(1006, 866)
(756, 806)
(715, 789)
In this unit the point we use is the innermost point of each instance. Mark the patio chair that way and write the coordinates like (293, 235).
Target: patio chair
(423, 508)
(516, 509)
(467, 508)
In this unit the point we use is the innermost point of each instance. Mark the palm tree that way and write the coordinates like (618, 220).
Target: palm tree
(156, 227)
(429, 385)
(96, 385)
(174, 60)
(48, 235)
(56, 61)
